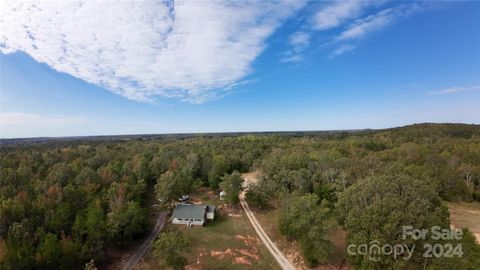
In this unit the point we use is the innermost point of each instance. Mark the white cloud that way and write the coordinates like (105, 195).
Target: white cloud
(288, 58)
(299, 39)
(342, 49)
(330, 15)
(368, 24)
(298, 42)
(336, 13)
(455, 89)
(348, 16)
(364, 26)
(189, 50)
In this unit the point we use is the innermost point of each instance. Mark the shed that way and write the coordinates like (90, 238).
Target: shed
(211, 212)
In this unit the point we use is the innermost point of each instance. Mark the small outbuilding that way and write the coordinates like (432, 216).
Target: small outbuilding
(222, 194)
(210, 212)
(193, 215)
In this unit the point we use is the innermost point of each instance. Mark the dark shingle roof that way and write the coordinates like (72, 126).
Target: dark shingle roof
(189, 211)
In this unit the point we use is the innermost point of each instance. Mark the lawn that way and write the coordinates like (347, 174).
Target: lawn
(229, 242)
(465, 215)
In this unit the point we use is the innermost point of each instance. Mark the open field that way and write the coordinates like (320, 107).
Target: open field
(465, 215)
(229, 242)
(268, 220)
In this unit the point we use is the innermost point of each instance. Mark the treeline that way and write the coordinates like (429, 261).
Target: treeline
(62, 206)
(447, 156)
(66, 203)
(372, 184)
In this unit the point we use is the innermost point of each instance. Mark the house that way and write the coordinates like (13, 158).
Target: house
(190, 214)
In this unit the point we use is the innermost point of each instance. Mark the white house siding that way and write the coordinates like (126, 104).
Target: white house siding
(194, 222)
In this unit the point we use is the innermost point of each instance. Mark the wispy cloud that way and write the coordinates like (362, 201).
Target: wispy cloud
(367, 25)
(455, 89)
(336, 13)
(328, 16)
(342, 49)
(188, 50)
(364, 26)
(298, 42)
(355, 20)
(292, 58)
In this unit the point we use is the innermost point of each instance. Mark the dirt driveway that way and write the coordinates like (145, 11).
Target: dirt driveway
(465, 215)
(147, 244)
(271, 246)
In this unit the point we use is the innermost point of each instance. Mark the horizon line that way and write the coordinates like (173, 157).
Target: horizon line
(230, 132)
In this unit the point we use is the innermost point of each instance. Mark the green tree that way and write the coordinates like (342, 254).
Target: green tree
(469, 259)
(90, 229)
(305, 220)
(11, 210)
(232, 185)
(174, 183)
(126, 222)
(20, 249)
(49, 252)
(377, 208)
(302, 180)
(168, 248)
(219, 167)
(61, 218)
(166, 188)
(256, 197)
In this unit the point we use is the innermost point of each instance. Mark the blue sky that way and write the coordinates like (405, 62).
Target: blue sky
(219, 68)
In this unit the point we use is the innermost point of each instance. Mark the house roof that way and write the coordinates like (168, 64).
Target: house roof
(189, 211)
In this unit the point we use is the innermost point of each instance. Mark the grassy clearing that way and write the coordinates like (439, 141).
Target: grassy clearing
(465, 215)
(269, 222)
(229, 242)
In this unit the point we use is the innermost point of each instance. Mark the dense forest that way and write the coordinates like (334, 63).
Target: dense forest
(65, 203)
